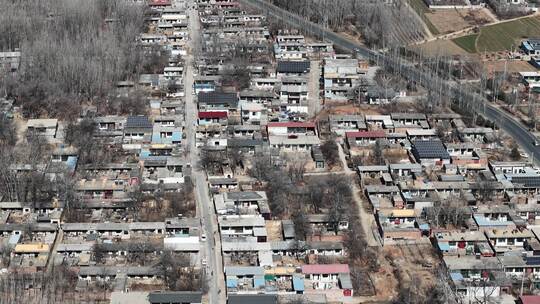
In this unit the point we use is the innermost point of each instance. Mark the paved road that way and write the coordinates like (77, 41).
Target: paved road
(205, 208)
(433, 82)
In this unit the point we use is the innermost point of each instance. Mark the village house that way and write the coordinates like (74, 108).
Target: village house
(493, 217)
(42, 127)
(114, 230)
(377, 95)
(292, 68)
(503, 240)
(212, 117)
(430, 152)
(245, 202)
(398, 224)
(104, 189)
(205, 84)
(293, 94)
(138, 129)
(173, 73)
(175, 297)
(531, 80)
(242, 225)
(531, 47)
(341, 124)
(258, 96)
(329, 276)
(293, 136)
(244, 131)
(364, 138)
(340, 77)
(267, 84)
(110, 123)
(290, 50)
(246, 279)
(166, 135)
(479, 135)
(215, 101)
(466, 271)
(463, 243)
(380, 122)
(322, 224)
(252, 113)
(410, 119)
(10, 61)
(223, 184)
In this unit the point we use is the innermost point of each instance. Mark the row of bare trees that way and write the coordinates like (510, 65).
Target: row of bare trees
(72, 51)
(381, 23)
(56, 286)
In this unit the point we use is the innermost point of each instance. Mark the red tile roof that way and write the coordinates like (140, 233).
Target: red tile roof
(215, 114)
(366, 134)
(291, 124)
(530, 299)
(325, 268)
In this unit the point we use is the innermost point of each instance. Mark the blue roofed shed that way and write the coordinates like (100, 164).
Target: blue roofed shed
(298, 284)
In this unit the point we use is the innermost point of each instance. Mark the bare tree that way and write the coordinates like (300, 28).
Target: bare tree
(302, 226)
(330, 151)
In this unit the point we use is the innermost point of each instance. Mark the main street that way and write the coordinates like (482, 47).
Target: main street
(503, 120)
(205, 209)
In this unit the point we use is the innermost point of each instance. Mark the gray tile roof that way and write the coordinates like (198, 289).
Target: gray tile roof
(175, 297)
(429, 149)
(293, 66)
(231, 99)
(251, 299)
(138, 122)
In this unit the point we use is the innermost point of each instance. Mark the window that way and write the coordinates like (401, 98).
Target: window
(165, 134)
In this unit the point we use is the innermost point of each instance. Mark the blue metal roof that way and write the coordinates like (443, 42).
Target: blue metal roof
(532, 260)
(298, 283)
(456, 276)
(443, 246)
(258, 281)
(14, 239)
(482, 221)
(424, 226)
(232, 283)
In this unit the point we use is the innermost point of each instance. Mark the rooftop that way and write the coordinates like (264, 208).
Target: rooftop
(138, 122)
(293, 67)
(429, 149)
(325, 268)
(175, 297)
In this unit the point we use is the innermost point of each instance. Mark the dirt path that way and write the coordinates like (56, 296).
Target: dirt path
(366, 219)
(314, 103)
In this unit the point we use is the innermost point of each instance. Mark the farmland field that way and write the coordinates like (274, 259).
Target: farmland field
(440, 47)
(421, 9)
(502, 36)
(451, 20)
(468, 43)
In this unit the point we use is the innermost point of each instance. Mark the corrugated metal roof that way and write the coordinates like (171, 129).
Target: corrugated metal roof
(213, 114)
